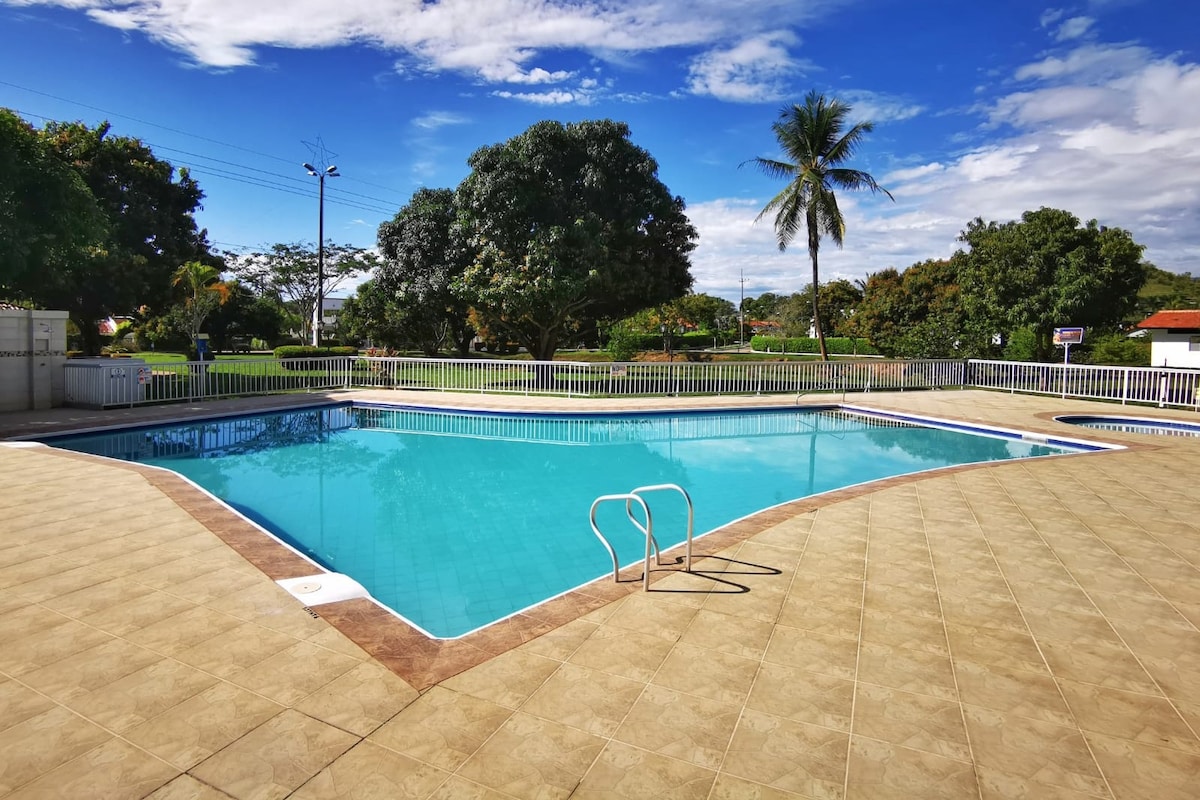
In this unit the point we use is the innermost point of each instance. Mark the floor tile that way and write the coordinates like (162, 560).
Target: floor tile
(1146, 719)
(913, 721)
(293, 674)
(816, 652)
(275, 758)
(882, 769)
(371, 772)
(506, 680)
(442, 727)
(185, 787)
(803, 696)
(192, 731)
(43, 742)
(115, 770)
(533, 758)
(682, 726)
(360, 700)
(909, 670)
(1140, 770)
(622, 771)
(793, 756)
(587, 699)
(711, 674)
(637, 656)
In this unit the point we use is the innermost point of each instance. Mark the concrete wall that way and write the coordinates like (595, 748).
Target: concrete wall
(1175, 349)
(33, 350)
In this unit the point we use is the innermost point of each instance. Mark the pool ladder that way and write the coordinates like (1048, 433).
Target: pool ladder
(630, 498)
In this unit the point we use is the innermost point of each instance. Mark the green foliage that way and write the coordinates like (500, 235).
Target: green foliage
(1044, 271)
(816, 144)
(623, 343)
(837, 345)
(48, 215)
(568, 223)
(290, 272)
(288, 352)
(423, 254)
(1164, 289)
(148, 229)
(915, 314)
(1021, 345)
(1115, 349)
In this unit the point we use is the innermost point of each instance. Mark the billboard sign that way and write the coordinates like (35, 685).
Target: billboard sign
(1068, 336)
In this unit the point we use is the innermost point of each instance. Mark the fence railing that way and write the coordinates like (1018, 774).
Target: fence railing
(1159, 386)
(101, 383)
(584, 379)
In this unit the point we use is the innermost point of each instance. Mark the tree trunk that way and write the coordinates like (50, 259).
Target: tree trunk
(89, 333)
(812, 250)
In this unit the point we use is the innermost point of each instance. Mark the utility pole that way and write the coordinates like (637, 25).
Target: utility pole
(741, 307)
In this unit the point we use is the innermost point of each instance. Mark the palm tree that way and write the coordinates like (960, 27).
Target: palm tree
(204, 292)
(813, 142)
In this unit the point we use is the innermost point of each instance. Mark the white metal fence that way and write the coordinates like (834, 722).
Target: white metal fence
(118, 382)
(1160, 386)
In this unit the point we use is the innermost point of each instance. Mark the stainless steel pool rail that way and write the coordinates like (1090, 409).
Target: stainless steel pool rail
(635, 496)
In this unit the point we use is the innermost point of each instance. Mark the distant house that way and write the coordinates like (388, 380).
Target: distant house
(1174, 338)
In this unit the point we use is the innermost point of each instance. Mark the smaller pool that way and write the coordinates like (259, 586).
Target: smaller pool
(1155, 427)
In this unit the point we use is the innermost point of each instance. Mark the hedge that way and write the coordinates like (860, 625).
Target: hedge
(309, 351)
(836, 345)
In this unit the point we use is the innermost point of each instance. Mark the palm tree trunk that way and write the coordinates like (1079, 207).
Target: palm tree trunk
(812, 251)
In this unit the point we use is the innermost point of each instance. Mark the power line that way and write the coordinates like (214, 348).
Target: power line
(176, 130)
(298, 189)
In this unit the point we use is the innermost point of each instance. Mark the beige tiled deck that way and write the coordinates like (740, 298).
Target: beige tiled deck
(1025, 630)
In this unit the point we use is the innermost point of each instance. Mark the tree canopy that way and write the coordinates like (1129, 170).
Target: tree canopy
(423, 255)
(47, 213)
(289, 273)
(566, 223)
(144, 232)
(1047, 270)
(816, 145)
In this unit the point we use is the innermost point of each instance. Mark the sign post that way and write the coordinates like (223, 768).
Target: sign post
(1067, 337)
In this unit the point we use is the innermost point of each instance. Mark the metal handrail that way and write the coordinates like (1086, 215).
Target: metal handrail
(647, 530)
(691, 524)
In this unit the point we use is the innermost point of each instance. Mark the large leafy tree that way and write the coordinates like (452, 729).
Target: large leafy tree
(289, 273)
(567, 224)
(149, 229)
(1047, 270)
(915, 314)
(48, 215)
(423, 255)
(816, 145)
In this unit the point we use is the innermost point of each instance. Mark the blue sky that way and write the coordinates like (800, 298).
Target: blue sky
(981, 109)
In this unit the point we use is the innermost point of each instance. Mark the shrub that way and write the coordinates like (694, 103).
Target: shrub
(836, 345)
(623, 344)
(288, 352)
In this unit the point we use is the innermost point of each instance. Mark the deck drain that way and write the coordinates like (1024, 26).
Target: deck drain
(307, 587)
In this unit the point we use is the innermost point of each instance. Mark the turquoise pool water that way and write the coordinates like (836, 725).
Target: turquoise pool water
(456, 520)
(1154, 427)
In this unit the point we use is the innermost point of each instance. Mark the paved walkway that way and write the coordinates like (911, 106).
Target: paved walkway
(1024, 630)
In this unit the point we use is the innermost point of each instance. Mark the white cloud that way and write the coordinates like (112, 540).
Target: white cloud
(555, 98)
(753, 71)
(1074, 28)
(498, 41)
(878, 106)
(1121, 148)
(432, 120)
(1050, 16)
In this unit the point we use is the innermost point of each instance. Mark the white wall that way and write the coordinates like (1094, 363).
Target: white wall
(33, 350)
(1174, 349)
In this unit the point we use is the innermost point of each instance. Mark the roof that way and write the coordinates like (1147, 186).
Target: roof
(1186, 319)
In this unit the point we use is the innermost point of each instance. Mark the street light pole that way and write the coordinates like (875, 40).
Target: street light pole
(319, 311)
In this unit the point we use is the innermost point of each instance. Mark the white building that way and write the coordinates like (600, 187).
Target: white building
(1174, 338)
(33, 350)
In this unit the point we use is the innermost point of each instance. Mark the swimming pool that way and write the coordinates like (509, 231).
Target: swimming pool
(455, 520)
(1156, 427)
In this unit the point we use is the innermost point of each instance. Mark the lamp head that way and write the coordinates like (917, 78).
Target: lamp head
(311, 169)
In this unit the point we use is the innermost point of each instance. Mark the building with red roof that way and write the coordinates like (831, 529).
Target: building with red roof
(1174, 338)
